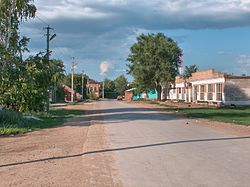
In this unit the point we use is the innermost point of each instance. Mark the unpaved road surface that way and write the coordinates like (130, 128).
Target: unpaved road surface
(121, 144)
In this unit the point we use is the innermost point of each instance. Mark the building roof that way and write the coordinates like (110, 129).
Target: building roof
(209, 74)
(67, 89)
(91, 81)
(129, 90)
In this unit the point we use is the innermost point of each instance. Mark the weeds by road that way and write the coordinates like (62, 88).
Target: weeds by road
(13, 123)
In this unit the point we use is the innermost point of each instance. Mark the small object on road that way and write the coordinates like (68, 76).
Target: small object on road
(187, 123)
(119, 98)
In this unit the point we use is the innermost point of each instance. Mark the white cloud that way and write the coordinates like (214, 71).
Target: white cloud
(92, 30)
(221, 53)
(105, 67)
(244, 60)
(168, 14)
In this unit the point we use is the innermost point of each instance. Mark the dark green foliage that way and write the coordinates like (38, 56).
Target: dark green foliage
(120, 84)
(110, 89)
(116, 87)
(154, 60)
(189, 70)
(24, 84)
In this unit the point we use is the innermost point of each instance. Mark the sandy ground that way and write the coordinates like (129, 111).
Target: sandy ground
(88, 150)
(58, 156)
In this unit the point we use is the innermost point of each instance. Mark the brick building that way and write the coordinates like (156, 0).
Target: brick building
(129, 94)
(68, 92)
(212, 87)
(94, 87)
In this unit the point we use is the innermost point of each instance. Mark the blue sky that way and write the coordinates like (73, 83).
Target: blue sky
(98, 33)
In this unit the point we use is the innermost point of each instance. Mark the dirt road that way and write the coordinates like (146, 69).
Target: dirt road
(120, 144)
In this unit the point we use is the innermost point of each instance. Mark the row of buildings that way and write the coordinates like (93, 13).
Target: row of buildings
(207, 86)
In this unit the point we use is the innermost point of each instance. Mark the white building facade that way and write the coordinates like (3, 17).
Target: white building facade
(212, 87)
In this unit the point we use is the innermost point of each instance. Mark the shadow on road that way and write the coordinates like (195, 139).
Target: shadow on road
(118, 115)
(122, 149)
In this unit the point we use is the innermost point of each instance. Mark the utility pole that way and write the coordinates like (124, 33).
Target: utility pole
(49, 38)
(82, 84)
(87, 87)
(103, 89)
(72, 78)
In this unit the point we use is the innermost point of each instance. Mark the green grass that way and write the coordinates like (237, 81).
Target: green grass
(14, 123)
(239, 116)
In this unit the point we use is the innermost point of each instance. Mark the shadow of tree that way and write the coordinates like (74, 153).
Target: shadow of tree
(122, 149)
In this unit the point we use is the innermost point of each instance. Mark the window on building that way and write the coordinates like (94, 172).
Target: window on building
(202, 90)
(196, 90)
(210, 90)
(219, 92)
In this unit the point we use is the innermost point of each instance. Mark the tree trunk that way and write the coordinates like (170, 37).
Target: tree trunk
(159, 92)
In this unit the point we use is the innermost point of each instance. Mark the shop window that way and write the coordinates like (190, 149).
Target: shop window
(219, 92)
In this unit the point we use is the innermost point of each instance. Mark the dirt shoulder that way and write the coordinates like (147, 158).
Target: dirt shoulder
(62, 156)
(227, 128)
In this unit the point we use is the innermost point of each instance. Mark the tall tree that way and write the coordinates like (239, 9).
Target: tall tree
(12, 13)
(189, 70)
(120, 84)
(154, 61)
(109, 85)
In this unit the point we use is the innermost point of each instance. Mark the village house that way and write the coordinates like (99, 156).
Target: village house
(68, 92)
(94, 87)
(212, 87)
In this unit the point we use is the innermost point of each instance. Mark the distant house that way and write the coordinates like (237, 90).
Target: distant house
(68, 92)
(131, 95)
(212, 87)
(94, 87)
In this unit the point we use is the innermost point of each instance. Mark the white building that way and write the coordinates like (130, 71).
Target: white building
(212, 87)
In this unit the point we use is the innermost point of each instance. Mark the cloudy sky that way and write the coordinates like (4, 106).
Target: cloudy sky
(99, 33)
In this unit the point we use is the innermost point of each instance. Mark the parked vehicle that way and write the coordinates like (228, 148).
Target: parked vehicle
(119, 98)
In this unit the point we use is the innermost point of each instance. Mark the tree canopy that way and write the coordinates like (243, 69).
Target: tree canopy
(189, 70)
(120, 84)
(154, 61)
(24, 84)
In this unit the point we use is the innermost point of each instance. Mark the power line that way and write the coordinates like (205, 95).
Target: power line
(41, 20)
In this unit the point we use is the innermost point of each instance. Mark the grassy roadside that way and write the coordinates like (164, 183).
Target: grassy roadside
(240, 115)
(15, 123)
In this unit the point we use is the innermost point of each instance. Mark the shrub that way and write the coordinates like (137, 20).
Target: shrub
(92, 96)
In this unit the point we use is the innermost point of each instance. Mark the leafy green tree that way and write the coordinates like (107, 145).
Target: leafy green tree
(154, 61)
(189, 70)
(109, 85)
(120, 84)
(12, 46)
(12, 13)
